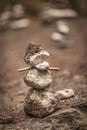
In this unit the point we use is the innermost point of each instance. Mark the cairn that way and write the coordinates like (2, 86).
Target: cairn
(39, 102)
(19, 20)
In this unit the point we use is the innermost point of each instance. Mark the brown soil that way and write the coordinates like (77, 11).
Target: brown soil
(12, 87)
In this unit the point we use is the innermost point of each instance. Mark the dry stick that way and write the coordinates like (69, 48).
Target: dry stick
(54, 68)
(24, 69)
(27, 68)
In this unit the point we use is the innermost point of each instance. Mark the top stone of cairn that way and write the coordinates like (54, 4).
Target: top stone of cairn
(35, 54)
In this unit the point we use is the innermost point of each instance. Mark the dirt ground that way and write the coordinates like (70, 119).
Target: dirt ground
(71, 60)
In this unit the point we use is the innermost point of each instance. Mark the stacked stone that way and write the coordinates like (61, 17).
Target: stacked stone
(19, 21)
(61, 35)
(39, 102)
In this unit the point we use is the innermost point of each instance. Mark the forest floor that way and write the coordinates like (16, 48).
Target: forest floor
(72, 74)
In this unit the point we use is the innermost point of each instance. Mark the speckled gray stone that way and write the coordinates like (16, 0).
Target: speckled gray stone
(42, 66)
(65, 93)
(40, 103)
(39, 57)
(38, 79)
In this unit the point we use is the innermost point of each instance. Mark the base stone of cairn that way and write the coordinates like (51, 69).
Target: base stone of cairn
(38, 79)
(40, 103)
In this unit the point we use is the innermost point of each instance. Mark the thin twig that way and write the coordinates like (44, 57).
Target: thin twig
(54, 68)
(28, 68)
(24, 69)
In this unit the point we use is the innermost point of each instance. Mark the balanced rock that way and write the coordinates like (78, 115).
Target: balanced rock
(38, 79)
(5, 19)
(45, 16)
(18, 11)
(60, 39)
(39, 57)
(62, 27)
(60, 13)
(20, 23)
(42, 65)
(56, 36)
(40, 103)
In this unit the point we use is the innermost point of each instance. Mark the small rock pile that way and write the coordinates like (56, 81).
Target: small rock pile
(61, 35)
(14, 18)
(19, 20)
(39, 102)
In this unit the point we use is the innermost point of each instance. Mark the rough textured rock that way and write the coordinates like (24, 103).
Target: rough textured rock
(44, 54)
(31, 49)
(82, 106)
(66, 93)
(40, 103)
(39, 57)
(38, 79)
(42, 66)
(69, 119)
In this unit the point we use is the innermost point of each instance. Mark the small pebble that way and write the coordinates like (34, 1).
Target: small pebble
(62, 27)
(56, 36)
(66, 93)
